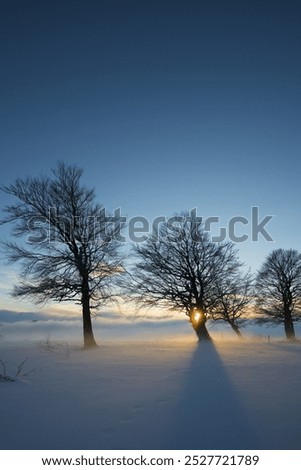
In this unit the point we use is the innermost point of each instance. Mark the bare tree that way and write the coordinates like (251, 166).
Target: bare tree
(179, 267)
(70, 250)
(278, 286)
(235, 297)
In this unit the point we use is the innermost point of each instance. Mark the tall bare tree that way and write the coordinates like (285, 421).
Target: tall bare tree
(69, 248)
(179, 267)
(278, 287)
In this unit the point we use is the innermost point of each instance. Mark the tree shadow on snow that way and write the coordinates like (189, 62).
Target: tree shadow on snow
(209, 414)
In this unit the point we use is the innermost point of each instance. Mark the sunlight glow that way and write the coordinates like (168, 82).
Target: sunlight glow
(196, 316)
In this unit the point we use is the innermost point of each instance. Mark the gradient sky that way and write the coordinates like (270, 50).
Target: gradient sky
(167, 105)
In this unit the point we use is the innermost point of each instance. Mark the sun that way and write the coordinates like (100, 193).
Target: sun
(196, 316)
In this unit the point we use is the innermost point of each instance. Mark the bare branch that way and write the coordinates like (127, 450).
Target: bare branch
(69, 249)
(183, 269)
(278, 288)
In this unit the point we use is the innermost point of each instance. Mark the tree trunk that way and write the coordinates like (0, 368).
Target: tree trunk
(199, 326)
(202, 333)
(289, 327)
(236, 329)
(89, 341)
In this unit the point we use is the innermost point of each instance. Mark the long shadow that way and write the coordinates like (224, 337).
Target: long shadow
(209, 414)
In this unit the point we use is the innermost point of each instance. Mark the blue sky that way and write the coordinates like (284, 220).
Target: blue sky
(167, 106)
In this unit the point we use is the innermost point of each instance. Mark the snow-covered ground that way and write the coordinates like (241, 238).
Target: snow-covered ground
(168, 393)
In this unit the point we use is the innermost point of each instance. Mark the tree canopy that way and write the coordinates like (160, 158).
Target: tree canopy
(68, 249)
(278, 289)
(179, 267)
